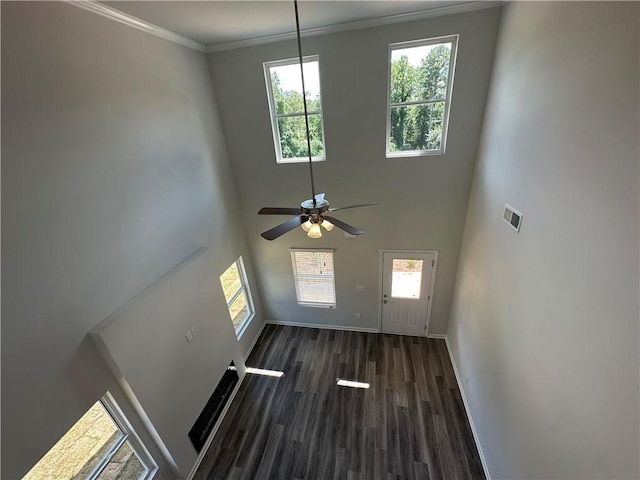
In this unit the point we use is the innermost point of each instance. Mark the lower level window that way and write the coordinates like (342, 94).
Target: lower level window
(101, 445)
(313, 276)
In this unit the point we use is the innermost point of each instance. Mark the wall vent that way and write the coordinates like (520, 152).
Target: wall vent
(512, 217)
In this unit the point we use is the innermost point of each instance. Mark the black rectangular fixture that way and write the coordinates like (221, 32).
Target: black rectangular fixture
(211, 412)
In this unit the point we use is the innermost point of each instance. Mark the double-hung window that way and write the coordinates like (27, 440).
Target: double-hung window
(236, 292)
(420, 85)
(100, 446)
(284, 92)
(314, 277)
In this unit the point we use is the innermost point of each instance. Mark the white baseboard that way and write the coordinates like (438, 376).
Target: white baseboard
(437, 335)
(485, 467)
(324, 327)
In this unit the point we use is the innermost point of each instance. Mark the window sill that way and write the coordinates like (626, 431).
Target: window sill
(300, 160)
(316, 305)
(419, 153)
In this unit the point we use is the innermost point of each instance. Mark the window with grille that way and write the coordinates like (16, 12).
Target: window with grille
(314, 277)
(420, 85)
(284, 92)
(100, 446)
(236, 292)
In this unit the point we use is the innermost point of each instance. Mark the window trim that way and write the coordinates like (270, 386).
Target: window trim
(295, 277)
(275, 129)
(453, 39)
(244, 287)
(129, 435)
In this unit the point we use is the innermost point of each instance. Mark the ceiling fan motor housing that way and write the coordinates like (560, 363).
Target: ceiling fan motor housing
(309, 209)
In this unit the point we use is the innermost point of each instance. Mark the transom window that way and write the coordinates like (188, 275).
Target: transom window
(236, 292)
(101, 446)
(420, 84)
(284, 91)
(314, 277)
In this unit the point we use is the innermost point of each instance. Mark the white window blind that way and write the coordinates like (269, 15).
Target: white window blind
(314, 277)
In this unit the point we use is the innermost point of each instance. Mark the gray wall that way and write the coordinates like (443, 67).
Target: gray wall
(172, 397)
(114, 170)
(422, 201)
(545, 322)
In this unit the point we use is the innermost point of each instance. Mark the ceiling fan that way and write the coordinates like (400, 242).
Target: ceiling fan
(312, 213)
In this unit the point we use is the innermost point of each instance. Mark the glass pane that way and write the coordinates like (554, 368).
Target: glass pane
(314, 277)
(286, 85)
(293, 136)
(124, 465)
(420, 73)
(316, 289)
(406, 278)
(416, 127)
(231, 282)
(81, 449)
(239, 311)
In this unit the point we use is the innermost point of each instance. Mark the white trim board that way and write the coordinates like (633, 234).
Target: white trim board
(323, 327)
(357, 25)
(137, 23)
(485, 467)
(438, 336)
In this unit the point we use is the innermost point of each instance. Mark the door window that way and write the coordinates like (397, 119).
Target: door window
(406, 278)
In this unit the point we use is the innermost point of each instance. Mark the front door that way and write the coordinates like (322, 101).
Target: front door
(407, 279)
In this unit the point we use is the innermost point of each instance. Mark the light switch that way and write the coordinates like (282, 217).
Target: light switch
(359, 288)
(189, 336)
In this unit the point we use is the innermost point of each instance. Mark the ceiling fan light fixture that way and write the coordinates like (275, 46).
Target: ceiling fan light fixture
(314, 231)
(327, 225)
(306, 226)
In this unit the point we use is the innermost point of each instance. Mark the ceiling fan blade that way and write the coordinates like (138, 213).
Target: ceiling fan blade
(319, 197)
(344, 226)
(352, 206)
(279, 211)
(283, 228)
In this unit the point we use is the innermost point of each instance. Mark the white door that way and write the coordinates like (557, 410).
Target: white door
(407, 284)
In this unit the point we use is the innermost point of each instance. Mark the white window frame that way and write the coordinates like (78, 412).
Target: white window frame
(453, 39)
(129, 435)
(275, 116)
(244, 287)
(296, 277)
(111, 409)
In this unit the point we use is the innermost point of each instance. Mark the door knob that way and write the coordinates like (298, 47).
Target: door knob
(384, 301)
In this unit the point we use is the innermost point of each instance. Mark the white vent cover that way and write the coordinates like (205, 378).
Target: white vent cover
(512, 217)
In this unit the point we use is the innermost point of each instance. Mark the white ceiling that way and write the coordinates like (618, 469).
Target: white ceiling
(217, 22)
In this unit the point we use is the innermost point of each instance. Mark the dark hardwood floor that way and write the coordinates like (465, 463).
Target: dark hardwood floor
(410, 423)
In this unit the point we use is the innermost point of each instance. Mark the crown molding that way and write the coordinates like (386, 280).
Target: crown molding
(131, 21)
(374, 22)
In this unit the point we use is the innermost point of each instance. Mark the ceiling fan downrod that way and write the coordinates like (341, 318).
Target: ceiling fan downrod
(304, 102)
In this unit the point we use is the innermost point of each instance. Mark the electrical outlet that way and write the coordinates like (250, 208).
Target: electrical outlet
(358, 315)
(189, 336)
(359, 288)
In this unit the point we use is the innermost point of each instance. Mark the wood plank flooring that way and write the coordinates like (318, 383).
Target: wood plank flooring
(410, 424)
